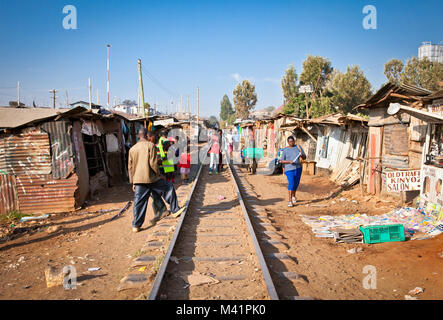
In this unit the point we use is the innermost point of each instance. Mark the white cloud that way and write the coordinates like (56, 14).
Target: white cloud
(237, 77)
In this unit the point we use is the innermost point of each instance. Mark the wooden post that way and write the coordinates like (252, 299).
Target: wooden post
(89, 87)
(142, 95)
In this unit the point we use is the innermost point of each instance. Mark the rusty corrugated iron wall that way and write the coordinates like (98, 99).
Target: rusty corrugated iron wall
(62, 155)
(44, 194)
(37, 170)
(26, 153)
(8, 194)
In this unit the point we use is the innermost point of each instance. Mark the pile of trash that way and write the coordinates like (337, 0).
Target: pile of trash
(418, 223)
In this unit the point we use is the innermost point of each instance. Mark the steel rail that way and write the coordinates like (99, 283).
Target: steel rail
(264, 267)
(161, 272)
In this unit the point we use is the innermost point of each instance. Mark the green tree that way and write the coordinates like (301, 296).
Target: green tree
(423, 73)
(245, 99)
(393, 70)
(296, 107)
(350, 89)
(289, 84)
(316, 72)
(321, 107)
(213, 121)
(225, 108)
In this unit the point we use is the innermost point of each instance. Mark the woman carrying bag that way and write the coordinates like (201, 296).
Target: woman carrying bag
(293, 167)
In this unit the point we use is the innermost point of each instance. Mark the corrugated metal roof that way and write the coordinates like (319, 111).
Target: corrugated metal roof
(17, 117)
(8, 194)
(62, 155)
(389, 88)
(25, 153)
(44, 194)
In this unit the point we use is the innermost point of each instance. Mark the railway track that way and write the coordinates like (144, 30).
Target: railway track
(224, 248)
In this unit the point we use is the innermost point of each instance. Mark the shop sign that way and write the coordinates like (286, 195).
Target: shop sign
(403, 180)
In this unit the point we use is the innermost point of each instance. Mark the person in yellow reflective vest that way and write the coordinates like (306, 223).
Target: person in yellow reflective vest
(160, 150)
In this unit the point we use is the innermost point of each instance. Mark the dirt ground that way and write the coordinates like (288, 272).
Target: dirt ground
(332, 272)
(84, 241)
(87, 240)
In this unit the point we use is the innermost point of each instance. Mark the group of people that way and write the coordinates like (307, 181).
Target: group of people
(219, 146)
(151, 172)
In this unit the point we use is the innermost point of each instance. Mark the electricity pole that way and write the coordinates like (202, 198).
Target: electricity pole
(67, 98)
(198, 106)
(18, 94)
(189, 108)
(89, 87)
(53, 96)
(98, 100)
(142, 95)
(107, 68)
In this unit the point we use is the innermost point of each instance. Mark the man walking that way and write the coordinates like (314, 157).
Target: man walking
(144, 174)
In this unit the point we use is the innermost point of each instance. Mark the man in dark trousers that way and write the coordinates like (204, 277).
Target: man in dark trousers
(145, 176)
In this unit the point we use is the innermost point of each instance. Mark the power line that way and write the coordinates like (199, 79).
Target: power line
(157, 82)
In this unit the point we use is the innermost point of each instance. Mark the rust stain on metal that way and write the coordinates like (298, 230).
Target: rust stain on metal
(26, 153)
(44, 194)
(8, 194)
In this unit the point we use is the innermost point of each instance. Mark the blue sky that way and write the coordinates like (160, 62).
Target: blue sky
(209, 44)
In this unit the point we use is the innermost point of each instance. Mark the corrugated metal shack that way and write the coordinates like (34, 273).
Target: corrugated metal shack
(395, 142)
(52, 159)
(342, 140)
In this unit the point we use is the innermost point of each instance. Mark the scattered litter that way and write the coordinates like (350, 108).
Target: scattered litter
(319, 205)
(142, 269)
(26, 287)
(34, 218)
(174, 259)
(343, 199)
(354, 201)
(418, 224)
(126, 207)
(407, 297)
(53, 229)
(355, 250)
(416, 291)
(94, 269)
(21, 259)
(220, 197)
(333, 202)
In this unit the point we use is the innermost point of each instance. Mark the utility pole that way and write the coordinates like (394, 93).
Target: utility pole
(142, 95)
(189, 108)
(181, 104)
(89, 87)
(115, 99)
(18, 94)
(53, 96)
(198, 106)
(155, 108)
(67, 98)
(98, 99)
(107, 68)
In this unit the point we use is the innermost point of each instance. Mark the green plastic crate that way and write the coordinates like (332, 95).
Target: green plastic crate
(251, 153)
(385, 233)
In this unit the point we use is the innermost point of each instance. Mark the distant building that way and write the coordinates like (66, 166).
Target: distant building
(126, 109)
(434, 52)
(260, 114)
(85, 105)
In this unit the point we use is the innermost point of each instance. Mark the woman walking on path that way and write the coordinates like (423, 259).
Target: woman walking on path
(293, 168)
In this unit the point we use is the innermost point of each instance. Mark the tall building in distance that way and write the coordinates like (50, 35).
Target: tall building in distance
(434, 52)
